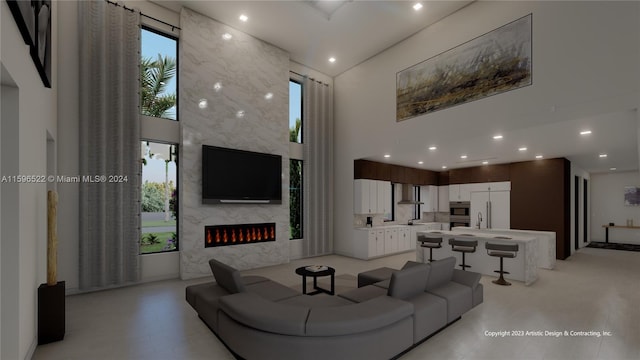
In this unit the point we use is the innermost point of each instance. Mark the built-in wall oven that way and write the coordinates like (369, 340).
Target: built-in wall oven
(459, 213)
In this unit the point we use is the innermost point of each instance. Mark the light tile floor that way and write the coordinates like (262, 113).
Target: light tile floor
(594, 290)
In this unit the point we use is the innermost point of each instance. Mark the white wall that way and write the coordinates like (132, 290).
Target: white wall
(36, 116)
(570, 40)
(607, 194)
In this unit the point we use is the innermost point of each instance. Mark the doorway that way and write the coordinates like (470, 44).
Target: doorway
(576, 212)
(585, 210)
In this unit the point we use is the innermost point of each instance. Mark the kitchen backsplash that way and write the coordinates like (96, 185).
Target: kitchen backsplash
(403, 215)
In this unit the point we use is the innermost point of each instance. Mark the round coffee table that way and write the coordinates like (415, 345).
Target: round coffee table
(304, 272)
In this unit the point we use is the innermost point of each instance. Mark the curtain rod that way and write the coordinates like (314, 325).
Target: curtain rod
(173, 27)
(307, 76)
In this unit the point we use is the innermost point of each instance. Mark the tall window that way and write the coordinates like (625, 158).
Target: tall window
(390, 214)
(158, 70)
(416, 207)
(159, 198)
(296, 162)
(159, 100)
(295, 112)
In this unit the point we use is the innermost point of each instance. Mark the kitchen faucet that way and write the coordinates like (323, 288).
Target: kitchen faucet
(479, 220)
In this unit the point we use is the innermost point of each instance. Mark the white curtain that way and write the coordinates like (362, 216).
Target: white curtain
(318, 167)
(109, 145)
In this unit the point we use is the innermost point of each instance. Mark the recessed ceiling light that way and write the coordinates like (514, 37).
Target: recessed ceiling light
(240, 114)
(538, 156)
(603, 155)
(227, 36)
(613, 169)
(417, 6)
(268, 96)
(420, 162)
(243, 18)
(585, 132)
(387, 156)
(444, 166)
(485, 162)
(217, 86)
(497, 137)
(432, 148)
(332, 59)
(463, 156)
(202, 103)
(522, 149)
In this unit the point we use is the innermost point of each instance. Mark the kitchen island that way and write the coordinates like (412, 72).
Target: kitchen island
(524, 267)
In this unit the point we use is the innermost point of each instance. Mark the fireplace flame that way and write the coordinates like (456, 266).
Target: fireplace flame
(241, 237)
(266, 234)
(233, 235)
(225, 239)
(217, 236)
(253, 234)
(273, 232)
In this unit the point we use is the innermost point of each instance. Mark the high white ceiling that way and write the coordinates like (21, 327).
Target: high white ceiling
(313, 31)
(354, 31)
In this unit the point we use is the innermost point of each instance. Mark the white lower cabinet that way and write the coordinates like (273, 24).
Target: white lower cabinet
(375, 242)
(390, 241)
(404, 239)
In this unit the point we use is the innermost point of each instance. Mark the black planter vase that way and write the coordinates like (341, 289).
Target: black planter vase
(51, 313)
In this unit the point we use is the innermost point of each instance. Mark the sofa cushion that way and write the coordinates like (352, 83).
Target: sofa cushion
(410, 263)
(253, 279)
(409, 281)
(364, 293)
(430, 315)
(320, 300)
(204, 299)
(468, 278)
(226, 276)
(375, 275)
(356, 318)
(441, 272)
(459, 299)
(262, 314)
(272, 290)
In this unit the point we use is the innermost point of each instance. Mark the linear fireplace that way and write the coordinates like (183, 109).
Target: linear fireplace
(225, 235)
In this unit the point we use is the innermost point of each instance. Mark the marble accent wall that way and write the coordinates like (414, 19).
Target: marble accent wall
(233, 93)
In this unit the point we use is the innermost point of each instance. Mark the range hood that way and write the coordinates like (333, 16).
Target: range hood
(407, 195)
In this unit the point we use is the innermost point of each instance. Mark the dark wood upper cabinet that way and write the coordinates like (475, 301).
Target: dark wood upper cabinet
(443, 178)
(479, 174)
(365, 169)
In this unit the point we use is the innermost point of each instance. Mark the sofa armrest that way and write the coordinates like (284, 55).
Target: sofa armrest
(468, 278)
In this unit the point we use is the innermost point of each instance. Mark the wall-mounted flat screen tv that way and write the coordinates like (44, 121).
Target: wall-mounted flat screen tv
(231, 176)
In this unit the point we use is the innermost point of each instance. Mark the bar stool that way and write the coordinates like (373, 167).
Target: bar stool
(463, 246)
(430, 243)
(502, 251)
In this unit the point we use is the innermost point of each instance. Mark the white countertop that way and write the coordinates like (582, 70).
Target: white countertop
(470, 234)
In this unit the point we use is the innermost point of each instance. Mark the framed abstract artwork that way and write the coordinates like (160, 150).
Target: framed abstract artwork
(632, 196)
(33, 18)
(489, 64)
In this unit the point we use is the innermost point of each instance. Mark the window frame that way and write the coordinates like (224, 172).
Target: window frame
(163, 130)
(177, 40)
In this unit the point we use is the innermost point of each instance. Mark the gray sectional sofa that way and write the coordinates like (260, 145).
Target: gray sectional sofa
(258, 318)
